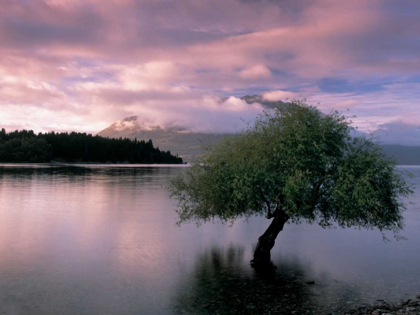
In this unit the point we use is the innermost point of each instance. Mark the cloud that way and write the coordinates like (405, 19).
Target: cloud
(83, 64)
(398, 132)
(208, 114)
(255, 72)
(279, 95)
(395, 102)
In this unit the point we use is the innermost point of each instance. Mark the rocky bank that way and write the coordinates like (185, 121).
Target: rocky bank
(409, 307)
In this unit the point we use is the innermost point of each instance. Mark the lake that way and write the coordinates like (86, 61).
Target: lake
(94, 239)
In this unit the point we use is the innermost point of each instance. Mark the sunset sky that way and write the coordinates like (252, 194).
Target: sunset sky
(83, 64)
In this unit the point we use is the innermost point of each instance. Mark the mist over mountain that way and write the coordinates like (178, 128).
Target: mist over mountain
(187, 136)
(187, 140)
(178, 140)
(398, 133)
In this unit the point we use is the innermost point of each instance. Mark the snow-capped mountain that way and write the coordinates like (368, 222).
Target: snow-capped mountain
(400, 140)
(178, 140)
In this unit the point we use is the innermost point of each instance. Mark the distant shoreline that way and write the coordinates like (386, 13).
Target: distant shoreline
(26, 146)
(92, 163)
(128, 164)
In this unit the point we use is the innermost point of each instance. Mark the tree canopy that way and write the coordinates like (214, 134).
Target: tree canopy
(26, 146)
(298, 161)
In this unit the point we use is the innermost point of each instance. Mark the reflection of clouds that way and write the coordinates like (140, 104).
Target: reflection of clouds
(104, 239)
(91, 238)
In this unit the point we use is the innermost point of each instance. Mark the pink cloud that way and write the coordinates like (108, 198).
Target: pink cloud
(279, 95)
(89, 62)
(255, 72)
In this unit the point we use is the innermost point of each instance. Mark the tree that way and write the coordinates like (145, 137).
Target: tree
(25, 146)
(294, 164)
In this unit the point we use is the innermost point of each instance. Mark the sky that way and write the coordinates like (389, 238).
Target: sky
(80, 65)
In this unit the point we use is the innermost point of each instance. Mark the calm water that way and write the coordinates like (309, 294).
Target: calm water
(102, 240)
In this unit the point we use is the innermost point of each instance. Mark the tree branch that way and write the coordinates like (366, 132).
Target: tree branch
(269, 213)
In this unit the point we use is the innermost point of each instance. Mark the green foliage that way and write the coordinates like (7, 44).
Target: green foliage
(25, 150)
(298, 160)
(25, 146)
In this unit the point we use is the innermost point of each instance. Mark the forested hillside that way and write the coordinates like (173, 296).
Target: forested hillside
(26, 146)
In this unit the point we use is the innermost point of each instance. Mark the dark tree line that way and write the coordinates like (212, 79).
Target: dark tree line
(26, 146)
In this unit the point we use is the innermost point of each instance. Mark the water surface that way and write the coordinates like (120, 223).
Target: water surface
(97, 239)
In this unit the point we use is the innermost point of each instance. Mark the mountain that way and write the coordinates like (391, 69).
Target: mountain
(404, 154)
(188, 144)
(250, 99)
(178, 140)
(398, 132)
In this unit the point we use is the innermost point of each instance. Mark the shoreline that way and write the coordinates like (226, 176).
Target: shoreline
(404, 307)
(92, 163)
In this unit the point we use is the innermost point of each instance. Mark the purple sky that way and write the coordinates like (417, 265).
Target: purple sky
(83, 64)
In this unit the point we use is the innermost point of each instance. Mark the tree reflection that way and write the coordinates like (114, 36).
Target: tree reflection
(85, 172)
(223, 283)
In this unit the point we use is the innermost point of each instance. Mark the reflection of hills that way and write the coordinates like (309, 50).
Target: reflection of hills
(123, 176)
(224, 283)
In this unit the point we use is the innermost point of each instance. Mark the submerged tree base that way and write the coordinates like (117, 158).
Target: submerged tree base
(265, 270)
(301, 163)
(258, 264)
(262, 253)
(222, 284)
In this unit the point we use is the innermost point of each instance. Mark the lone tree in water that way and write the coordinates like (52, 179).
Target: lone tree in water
(294, 164)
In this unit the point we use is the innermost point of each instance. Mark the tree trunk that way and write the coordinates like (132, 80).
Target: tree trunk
(262, 257)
